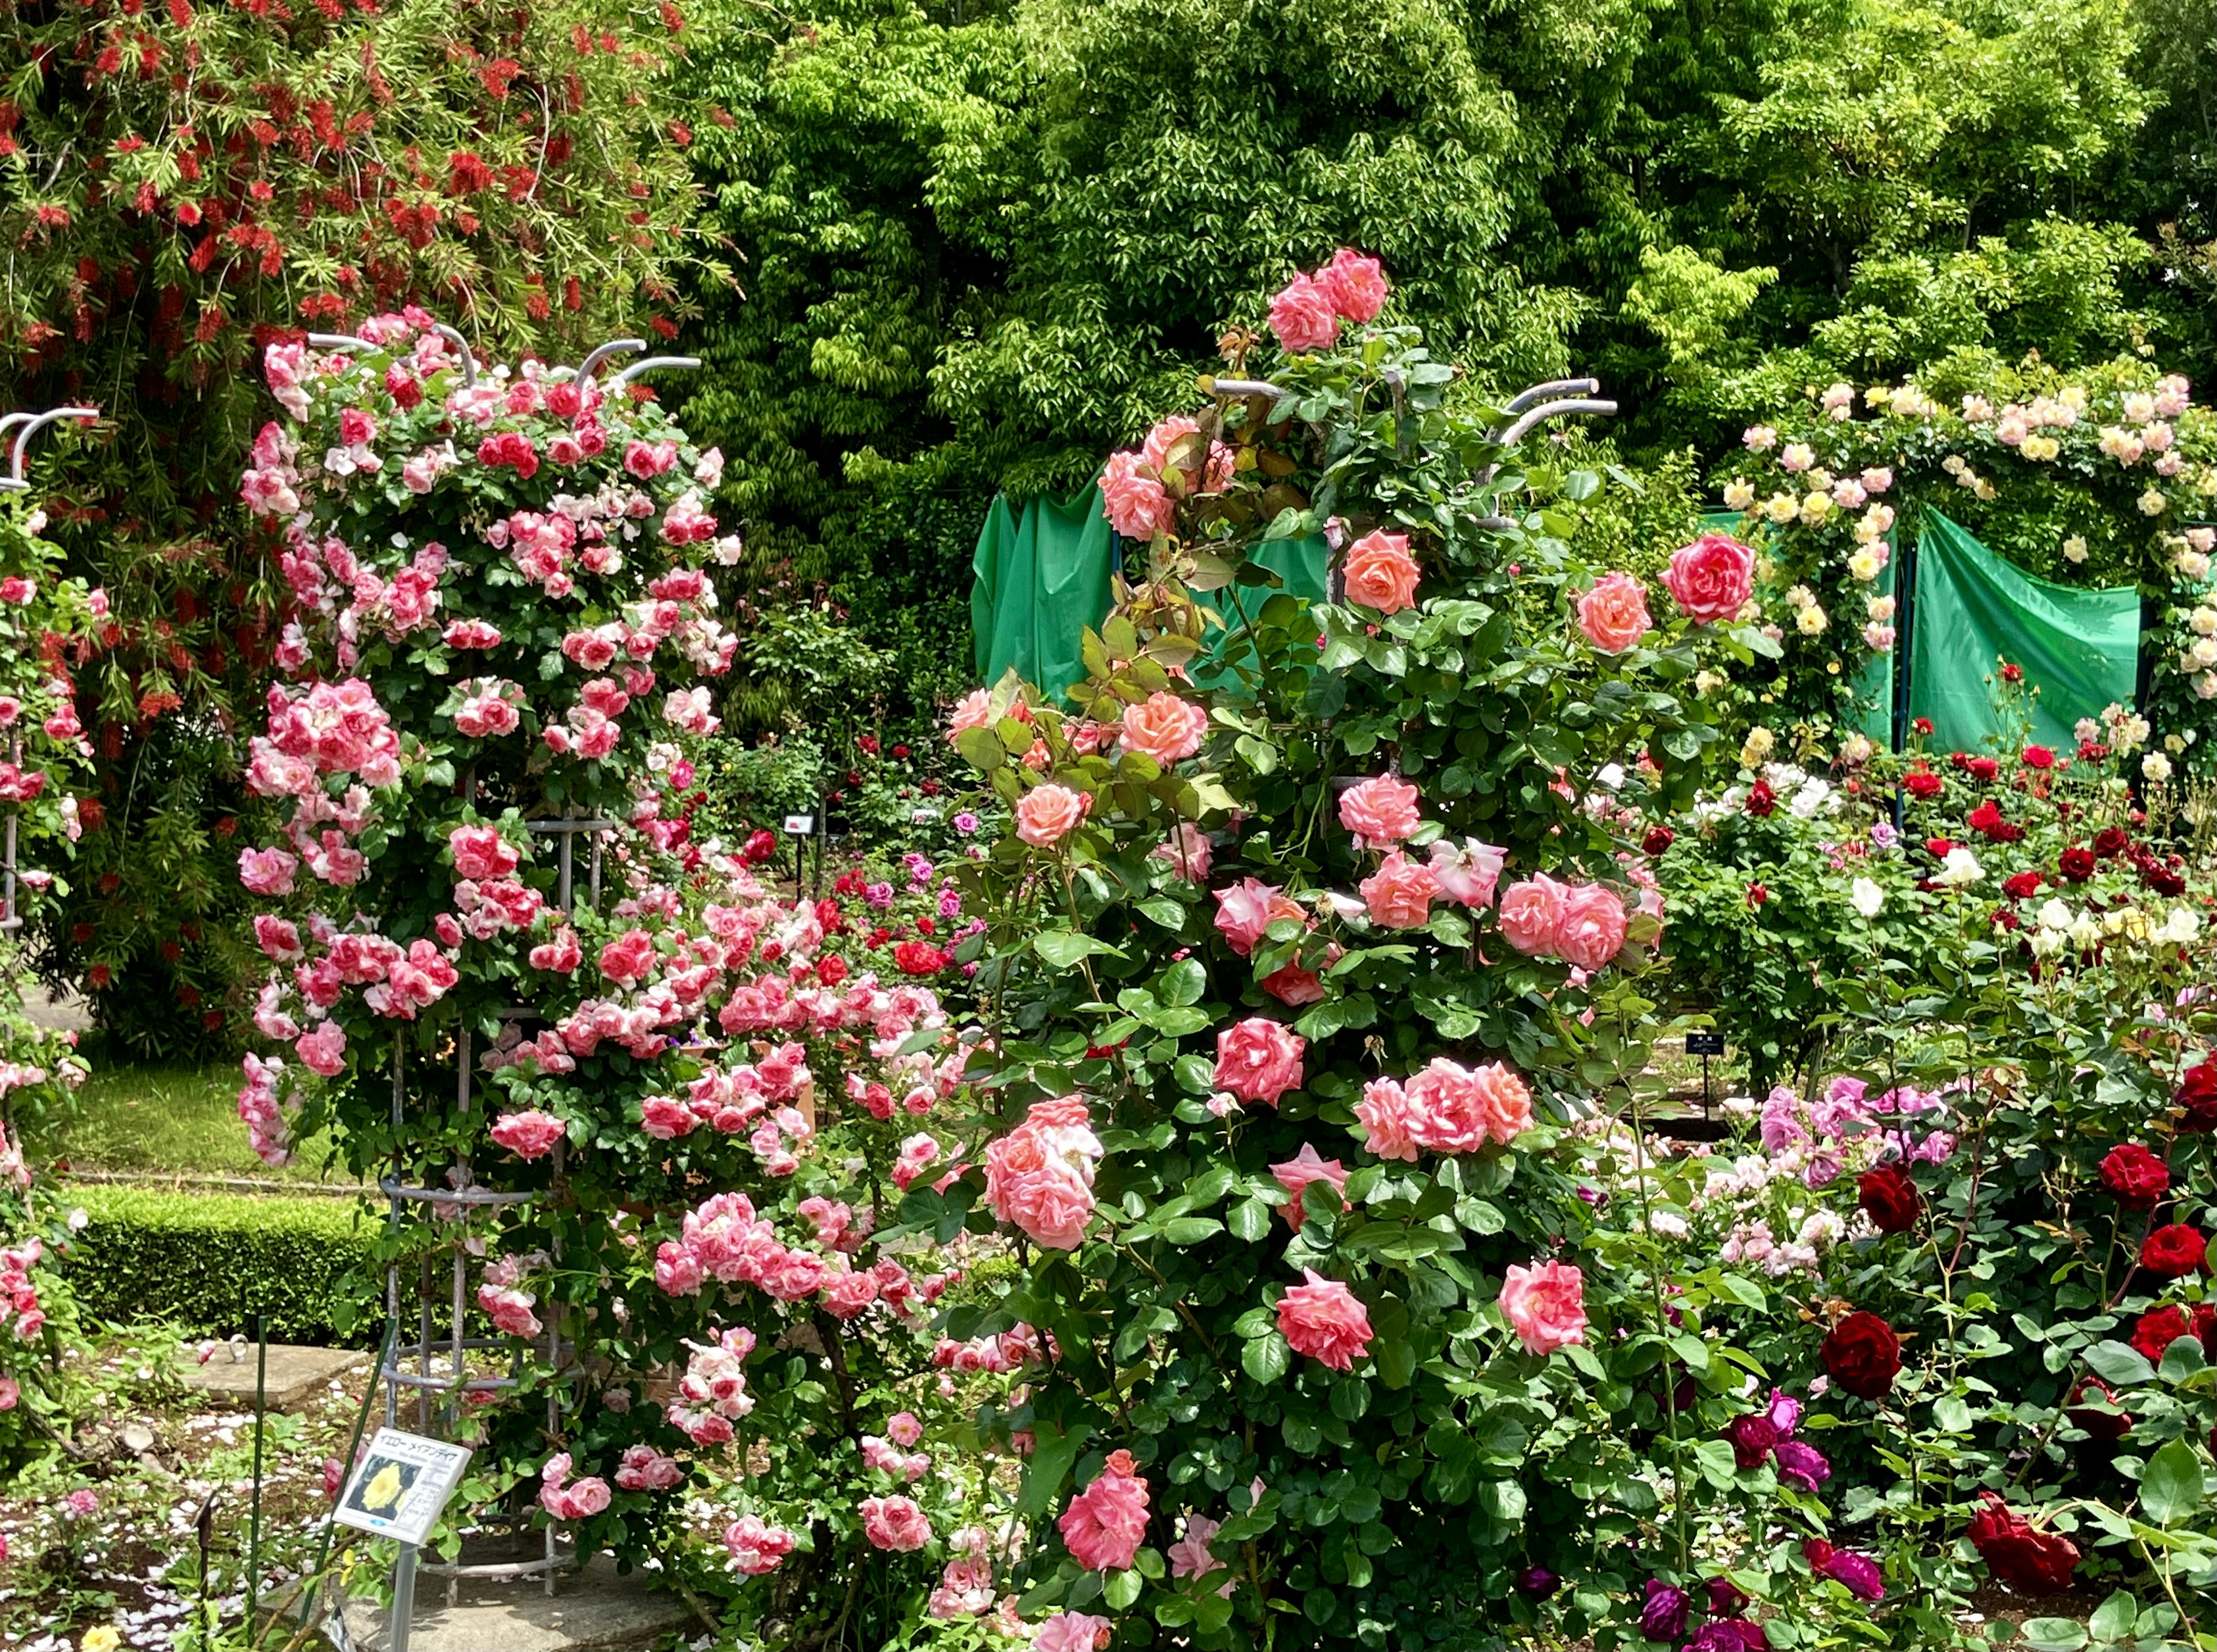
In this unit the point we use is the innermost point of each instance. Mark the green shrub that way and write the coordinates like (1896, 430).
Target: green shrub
(209, 1261)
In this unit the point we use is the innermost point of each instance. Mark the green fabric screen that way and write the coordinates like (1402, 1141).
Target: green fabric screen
(2080, 649)
(1873, 688)
(1303, 565)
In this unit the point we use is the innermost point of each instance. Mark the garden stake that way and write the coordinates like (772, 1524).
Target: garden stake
(354, 1444)
(254, 1517)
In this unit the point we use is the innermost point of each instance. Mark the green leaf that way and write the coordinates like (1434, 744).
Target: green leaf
(1249, 1219)
(981, 748)
(1183, 1231)
(1049, 1464)
(1183, 983)
(1121, 1589)
(2113, 1620)
(2053, 1634)
(2120, 1365)
(1175, 1022)
(1267, 1357)
(1161, 910)
(1062, 949)
(2171, 1486)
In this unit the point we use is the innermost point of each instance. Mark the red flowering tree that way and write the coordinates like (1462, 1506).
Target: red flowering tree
(181, 182)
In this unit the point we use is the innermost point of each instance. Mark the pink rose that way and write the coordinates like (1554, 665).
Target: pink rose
(1379, 572)
(1048, 814)
(1298, 1171)
(1106, 1523)
(904, 1429)
(1303, 317)
(267, 871)
(1354, 284)
(1246, 910)
(1135, 501)
(323, 1049)
(1545, 1306)
(1259, 1060)
(1321, 1319)
(1164, 727)
(1187, 849)
(1614, 613)
(1447, 1108)
(1504, 1101)
(1711, 578)
(480, 852)
(1466, 874)
(1040, 1176)
(1399, 892)
(1590, 930)
(1531, 910)
(1384, 1113)
(757, 1548)
(1380, 811)
(895, 1522)
(1072, 1631)
(529, 1134)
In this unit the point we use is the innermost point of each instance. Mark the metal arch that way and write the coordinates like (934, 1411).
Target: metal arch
(591, 364)
(338, 341)
(32, 424)
(1546, 410)
(688, 362)
(1244, 388)
(469, 361)
(1525, 398)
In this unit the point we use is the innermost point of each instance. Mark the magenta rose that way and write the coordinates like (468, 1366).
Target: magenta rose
(1712, 578)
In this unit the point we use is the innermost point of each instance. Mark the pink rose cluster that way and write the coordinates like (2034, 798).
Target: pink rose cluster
(1307, 313)
(713, 1394)
(1106, 1523)
(22, 1317)
(1016, 1348)
(1038, 1178)
(965, 1586)
(724, 1240)
(1581, 925)
(757, 1548)
(500, 1294)
(1445, 1108)
(895, 1524)
(1142, 488)
(570, 1500)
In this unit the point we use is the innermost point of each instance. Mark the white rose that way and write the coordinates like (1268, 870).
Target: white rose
(1865, 897)
(2155, 766)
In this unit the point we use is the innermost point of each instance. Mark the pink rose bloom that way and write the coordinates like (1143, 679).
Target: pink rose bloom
(1447, 1108)
(1298, 1171)
(1504, 1101)
(895, 1522)
(1399, 892)
(267, 871)
(1106, 1523)
(1379, 572)
(1354, 284)
(645, 1469)
(1046, 814)
(1248, 908)
(528, 1134)
(1711, 578)
(1321, 1319)
(1187, 849)
(1384, 1113)
(1614, 613)
(1380, 811)
(904, 1429)
(1291, 984)
(1155, 454)
(1466, 874)
(1135, 501)
(1545, 1306)
(323, 1049)
(1164, 727)
(1040, 1176)
(1259, 1060)
(1590, 930)
(480, 852)
(1531, 910)
(1072, 1631)
(757, 1548)
(1303, 317)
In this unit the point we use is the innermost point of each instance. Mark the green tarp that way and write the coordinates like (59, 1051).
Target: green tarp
(2080, 649)
(1874, 684)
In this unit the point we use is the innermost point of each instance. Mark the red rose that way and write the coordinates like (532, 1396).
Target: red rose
(1983, 768)
(2111, 842)
(919, 958)
(1862, 1355)
(2037, 757)
(2076, 863)
(1756, 894)
(2018, 1553)
(2173, 1251)
(2197, 1094)
(2012, 673)
(1938, 847)
(2157, 1329)
(1658, 839)
(1922, 725)
(1922, 782)
(1987, 819)
(2135, 1177)
(1752, 1436)
(1761, 800)
(2023, 887)
(2110, 1425)
(831, 970)
(1889, 1197)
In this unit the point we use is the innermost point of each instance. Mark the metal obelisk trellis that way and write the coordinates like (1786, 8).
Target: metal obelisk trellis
(437, 1367)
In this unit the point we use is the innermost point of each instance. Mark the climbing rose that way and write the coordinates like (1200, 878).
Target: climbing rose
(1295, 1174)
(1379, 573)
(1303, 317)
(1888, 1197)
(1106, 1523)
(1613, 615)
(529, 1135)
(1531, 912)
(1380, 811)
(1590, 930)
(1383, 1114)
(2019, 1553)
(1712, 578)
(1138, 506)
(1321, 1319)
(756, 1548)
(1863, 1355)
(1072, 1631)
(1354, 284)
(2173, 1251)
(1399, 895)
(1545, 1305)
(1248, 908)
(1164, 727)
(2135, 1177)
(1046, 814)
(1040, 1176)
(1259, 1060)
(895, 1522)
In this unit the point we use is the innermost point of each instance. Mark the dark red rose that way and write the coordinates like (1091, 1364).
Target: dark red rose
(2037, 757)
(2163, 877)
(1922, 782)
(2136, 1179)
(900, 753)
(2110, 1425)
(1727, 1599)
(1752, 1438)
(2022, 886)
(1761, 800)
(1756, 894)
(1658, 839)
(1889, 1197)
(2076, 863)
(2018, 1553)
(1938, 847)
(2157, 1329)
(2111, 842)
(1960, 760)
(1922, 725)
(1986, 819)
(2173, 1251)
(2012, 673)
(2197, 1094)
(1864, 1355)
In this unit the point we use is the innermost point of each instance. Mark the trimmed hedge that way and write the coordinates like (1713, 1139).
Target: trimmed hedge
(209, 1260)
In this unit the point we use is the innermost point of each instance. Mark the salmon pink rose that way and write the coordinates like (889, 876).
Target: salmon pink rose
(1321, 1319)
(1246, 910)
(1590, 930)
(1531, 912)
(1046, 814)
(529, 1134)
(1303, 317)
(1712, 578)
(1259, 1060)
(1106, 1523)
(1386, 1116)
(1354, 284)
(1399, 892)
(1379, 573)
(1545, 1306)
(1135, 502)
(1164, 727)
(1039, 1177)
(1504, 1102)
(1447, 1113)
(1613, 615)
(1380, 811)
(1298, 1171)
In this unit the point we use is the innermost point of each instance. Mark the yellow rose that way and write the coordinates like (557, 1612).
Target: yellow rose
(1756, 751)
(1810, 621)
(1781, 508)
(1864, 564)
(1815, 507)
(102, 1638)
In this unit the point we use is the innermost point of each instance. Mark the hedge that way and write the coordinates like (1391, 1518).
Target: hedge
(208, 1261)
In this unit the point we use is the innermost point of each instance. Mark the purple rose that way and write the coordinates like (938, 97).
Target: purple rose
(1859, 1573)
(1803, 1467)
(1784, 1412)
(1730, 1635)
(1726, 1599)
(1537, 1582)
(1752, 1438)
(1663, 1617)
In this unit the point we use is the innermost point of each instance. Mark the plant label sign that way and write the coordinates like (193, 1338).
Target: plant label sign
(1705, 1044)
(400, 1485)
(799, 825)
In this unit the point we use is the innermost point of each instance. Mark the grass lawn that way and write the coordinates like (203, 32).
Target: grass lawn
(177, 1119)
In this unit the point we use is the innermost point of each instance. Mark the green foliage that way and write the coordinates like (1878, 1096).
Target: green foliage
(209, 1261)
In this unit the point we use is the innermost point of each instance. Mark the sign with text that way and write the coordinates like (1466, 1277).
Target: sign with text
(400, 1485)
(799, 825)
(1705, 1044)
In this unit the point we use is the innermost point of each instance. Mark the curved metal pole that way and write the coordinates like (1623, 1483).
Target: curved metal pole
(338, 341)
(688, 362)
(1524, 398)
(469, 361)
(16, 484)
(1517, 431)
(591, 364)
(1244, 388)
